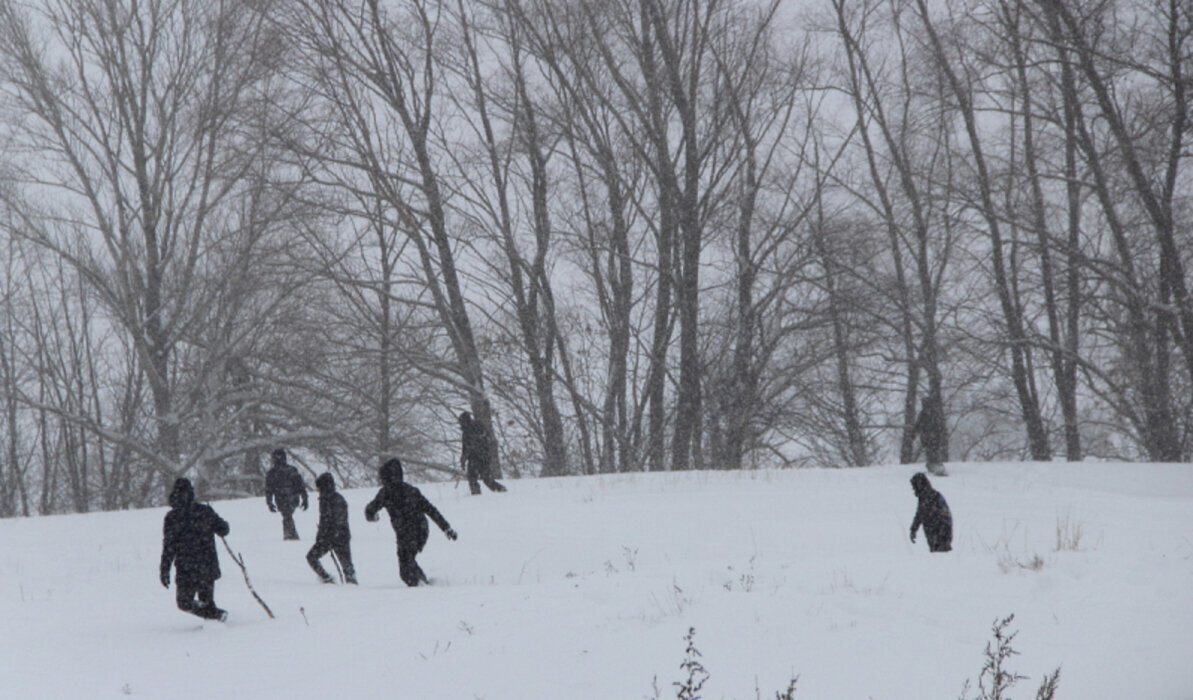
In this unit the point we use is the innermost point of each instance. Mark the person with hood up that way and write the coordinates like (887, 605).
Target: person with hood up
(408, 511)
(933, 513)
(930, 428)
(283, 490)
(188, 544)
(476, 456)
(333, 534)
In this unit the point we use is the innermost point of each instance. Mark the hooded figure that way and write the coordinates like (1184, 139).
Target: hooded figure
(408, 510)
(930, 427)
(283, 490)
(475, 456)
(933, 513)
(188, 543)
(333, 535)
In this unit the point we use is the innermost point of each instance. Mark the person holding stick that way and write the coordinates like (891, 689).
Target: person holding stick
(333, 534)
(188, 544)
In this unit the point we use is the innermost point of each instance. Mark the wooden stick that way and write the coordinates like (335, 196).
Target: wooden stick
(239, 559)
(336, 561)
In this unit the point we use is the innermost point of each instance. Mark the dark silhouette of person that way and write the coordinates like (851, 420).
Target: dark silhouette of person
(933, 513)
(930, 427)
(475, 455)
(188, 543)
(408, 511)
(333, 534)
(284, 489)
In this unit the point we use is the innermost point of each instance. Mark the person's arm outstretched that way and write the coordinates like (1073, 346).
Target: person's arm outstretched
(434, 514)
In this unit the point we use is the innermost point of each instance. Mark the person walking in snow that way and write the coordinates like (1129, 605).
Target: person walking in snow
(333, 534)
(284, 489)
(933, 513)
(408, 511)
(476, 456)
(188, 544)
(930, 427)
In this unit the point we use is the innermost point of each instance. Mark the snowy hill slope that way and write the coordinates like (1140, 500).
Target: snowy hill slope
(585, 587)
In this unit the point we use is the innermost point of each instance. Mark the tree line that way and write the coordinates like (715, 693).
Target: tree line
(625, 234)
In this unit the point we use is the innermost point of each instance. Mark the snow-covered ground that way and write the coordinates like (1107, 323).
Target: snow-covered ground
(585, 588)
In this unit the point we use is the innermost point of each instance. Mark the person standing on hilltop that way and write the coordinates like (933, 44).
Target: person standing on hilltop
(476, 456)
(930, 427)
(932, 512)
(284, 489)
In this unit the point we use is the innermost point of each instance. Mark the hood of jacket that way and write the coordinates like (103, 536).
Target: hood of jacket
(391, 473)
(183, 493)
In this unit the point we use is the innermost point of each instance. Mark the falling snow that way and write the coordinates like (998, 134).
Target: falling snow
(585, 588)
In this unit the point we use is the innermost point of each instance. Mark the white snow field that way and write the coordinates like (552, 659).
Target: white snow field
(584, 587)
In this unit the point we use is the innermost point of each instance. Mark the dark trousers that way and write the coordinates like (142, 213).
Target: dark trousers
(940, 537)
(411, 573)
(478, 471)
(286, 508)
(197, 598)
(408, 569)
(340, 550)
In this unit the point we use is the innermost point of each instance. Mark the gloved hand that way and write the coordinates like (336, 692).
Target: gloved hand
(371, 518)
(273, 508)
(451, 534)
(913, 535)
(304, 504)
(165, 578)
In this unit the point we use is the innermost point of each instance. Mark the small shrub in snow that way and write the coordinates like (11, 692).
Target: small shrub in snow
(788, 694)
(1047, 689)
(689, 688)
(995, 679)
(1068, 534)
(1009, 562)
(631, 557)
(697, 676)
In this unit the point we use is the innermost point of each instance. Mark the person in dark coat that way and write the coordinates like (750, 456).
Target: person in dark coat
(284, 489)
(475, 455)
(408, 511)
(930, 427)
(933, 513)
(333, 534)
(188, 544)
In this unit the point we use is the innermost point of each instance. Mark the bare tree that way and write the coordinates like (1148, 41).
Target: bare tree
(376, 77)
(959, 80)
(1135, 151)
(140, 135)
(526, 275)
(918, 230)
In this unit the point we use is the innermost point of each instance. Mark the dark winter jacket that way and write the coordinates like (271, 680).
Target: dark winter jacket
(333, 514)
(188, 538)
(933, 514)
(474, 441)
(284, 487)
(930, 428)
(408, 508)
